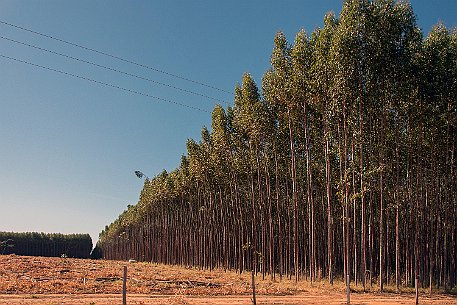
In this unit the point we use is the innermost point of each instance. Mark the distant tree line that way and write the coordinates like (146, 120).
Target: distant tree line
(46, 244)
(344, 163)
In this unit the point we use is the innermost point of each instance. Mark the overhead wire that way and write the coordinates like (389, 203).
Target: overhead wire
(110, 69)
(115, 57)
(103, 83)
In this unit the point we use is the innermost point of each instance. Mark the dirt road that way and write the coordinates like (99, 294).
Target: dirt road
(109, 299)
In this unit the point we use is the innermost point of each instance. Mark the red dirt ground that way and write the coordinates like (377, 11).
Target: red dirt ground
(39, 281)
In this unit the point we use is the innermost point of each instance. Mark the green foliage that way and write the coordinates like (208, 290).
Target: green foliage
(353, 125)
(46, 244)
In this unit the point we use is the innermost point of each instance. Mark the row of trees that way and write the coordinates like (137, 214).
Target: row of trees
(46, 244)
(344, 165)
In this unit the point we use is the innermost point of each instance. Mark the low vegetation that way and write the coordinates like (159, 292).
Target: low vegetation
(46, 244)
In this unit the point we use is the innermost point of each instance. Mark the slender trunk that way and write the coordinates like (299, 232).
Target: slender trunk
(343, 219)
(329, 207)
(346, 195)
(253, 226)
(294, 194)
(271, 257)
(310, 199)
(397, 216)
(381, 218)
(279, 216)
(354, 228)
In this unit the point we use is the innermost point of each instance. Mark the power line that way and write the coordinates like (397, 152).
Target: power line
(110, 69)
(102, 83)
(115, 57)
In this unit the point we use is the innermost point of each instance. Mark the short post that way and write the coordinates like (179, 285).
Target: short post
(254, 302)
(417, 291)
(348, 290)
(124, 287)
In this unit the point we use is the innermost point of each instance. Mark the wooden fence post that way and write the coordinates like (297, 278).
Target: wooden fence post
(254, 302)
(124, 287)
(348, 290)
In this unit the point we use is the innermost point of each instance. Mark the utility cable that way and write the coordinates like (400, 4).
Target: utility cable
(115, 57)
(109, 68)
(103, 83)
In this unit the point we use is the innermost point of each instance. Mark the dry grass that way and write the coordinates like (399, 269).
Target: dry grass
(39, 275)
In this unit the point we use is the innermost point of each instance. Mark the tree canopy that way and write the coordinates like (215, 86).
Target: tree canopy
(343, 163)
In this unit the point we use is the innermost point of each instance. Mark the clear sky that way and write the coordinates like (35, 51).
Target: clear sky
(69, 147)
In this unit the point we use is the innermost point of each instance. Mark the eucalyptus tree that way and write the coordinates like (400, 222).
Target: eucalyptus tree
(439, 94)
(357, 125)
(46, 244)
(393, 37)
(198, 176)
(240, 163)
(279, 141)
(301, 59)
(345, 92)
(251, 121)
(221, 160)
(320, 83)
(278, 93)
(452, 164)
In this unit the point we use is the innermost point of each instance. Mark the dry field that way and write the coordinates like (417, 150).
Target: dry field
(40, 281)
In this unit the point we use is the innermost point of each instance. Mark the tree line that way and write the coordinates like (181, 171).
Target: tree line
(46, 244)
(342, 163)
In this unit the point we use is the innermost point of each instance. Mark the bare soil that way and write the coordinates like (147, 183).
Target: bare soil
(40, 281)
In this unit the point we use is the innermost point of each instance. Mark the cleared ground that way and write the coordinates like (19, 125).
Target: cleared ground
(39, 281)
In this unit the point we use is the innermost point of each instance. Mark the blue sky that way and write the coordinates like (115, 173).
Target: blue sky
(69, 147)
